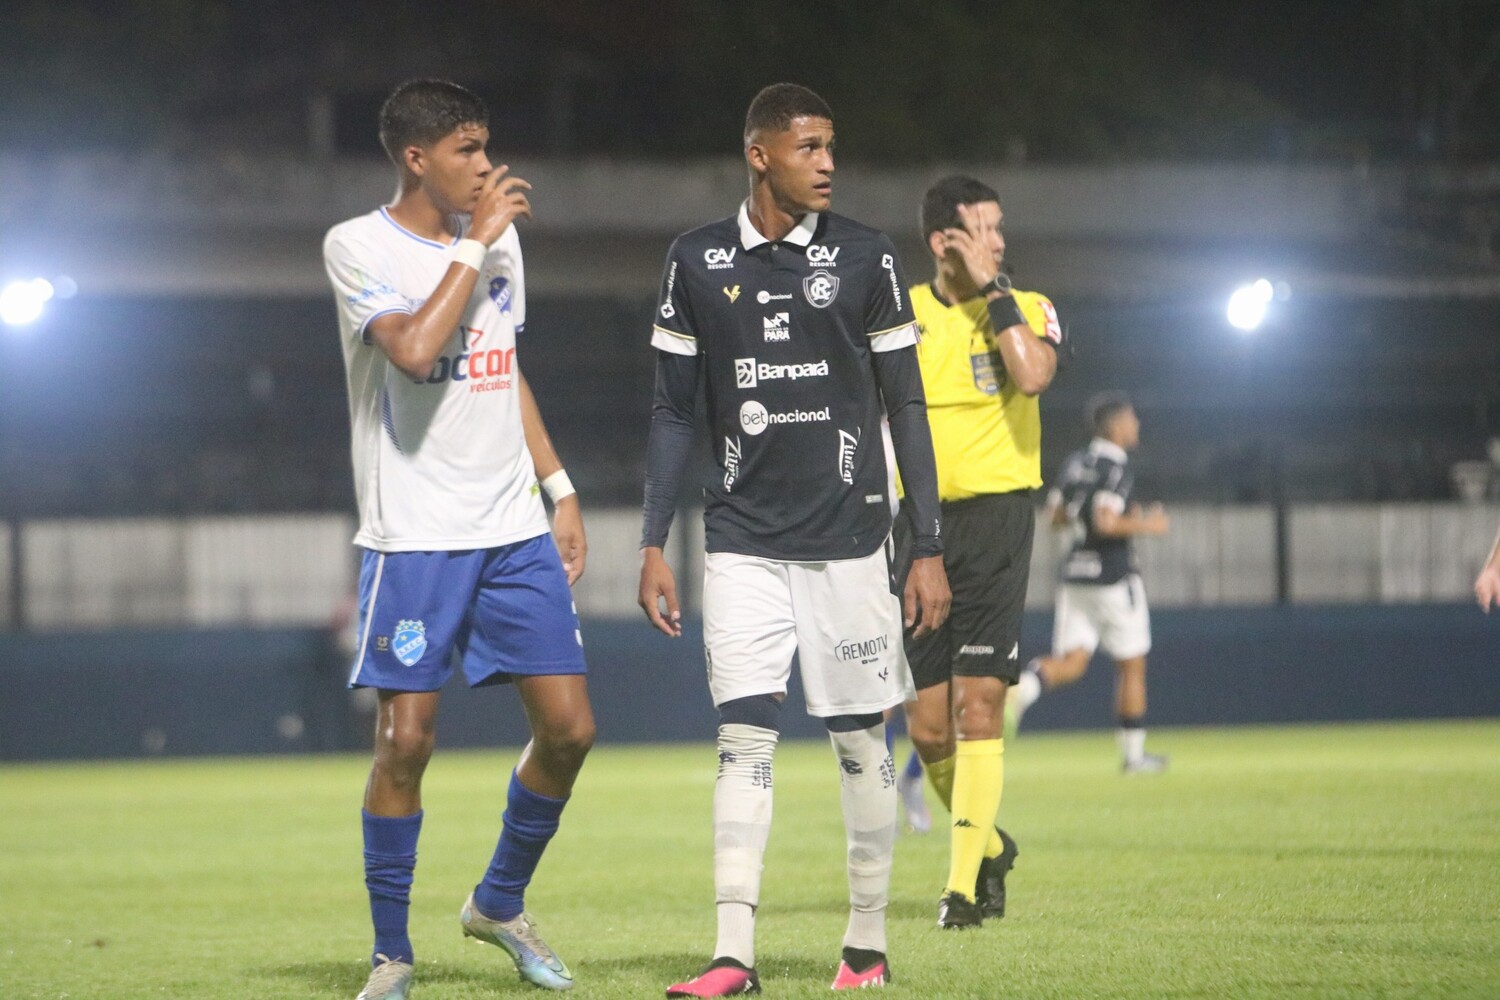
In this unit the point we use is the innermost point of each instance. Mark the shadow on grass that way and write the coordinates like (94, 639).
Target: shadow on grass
(684, 965)
(343, 979)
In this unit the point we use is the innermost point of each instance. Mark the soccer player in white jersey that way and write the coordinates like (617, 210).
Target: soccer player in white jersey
(798, 322)
(458, 562)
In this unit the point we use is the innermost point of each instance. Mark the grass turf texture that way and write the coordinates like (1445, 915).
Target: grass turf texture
(1337, 861)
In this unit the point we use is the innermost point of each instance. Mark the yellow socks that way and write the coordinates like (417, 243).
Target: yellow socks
(975, 777)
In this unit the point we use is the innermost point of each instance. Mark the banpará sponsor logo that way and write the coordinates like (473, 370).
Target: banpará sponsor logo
(755, 418)
(863, 650)
(826, 256)
(764, 296)
(848, 448)
(976, 651)
(731, 462)
(778, 328)
(889, 263)
(718, 258)
(821, 288)
(748, 373)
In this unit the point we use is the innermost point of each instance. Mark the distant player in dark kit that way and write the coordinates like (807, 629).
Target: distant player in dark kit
(799, 324)
(448, 448)
(1100, 600)
(988, 351)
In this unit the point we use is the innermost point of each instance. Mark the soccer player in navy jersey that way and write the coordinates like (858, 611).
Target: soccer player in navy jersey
(450, 456)
(1101, 600)
(798, 323)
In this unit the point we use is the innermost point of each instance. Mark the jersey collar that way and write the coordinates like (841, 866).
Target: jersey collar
(1108, 449)
(801, 234)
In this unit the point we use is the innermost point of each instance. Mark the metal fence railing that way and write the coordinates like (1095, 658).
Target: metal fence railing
(299, 570)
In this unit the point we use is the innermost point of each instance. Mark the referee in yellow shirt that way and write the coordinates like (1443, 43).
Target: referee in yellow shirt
(987, 352)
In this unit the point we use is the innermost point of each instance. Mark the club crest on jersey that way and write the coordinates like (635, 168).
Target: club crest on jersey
(410, 641)
(821, 288)
(501, 294)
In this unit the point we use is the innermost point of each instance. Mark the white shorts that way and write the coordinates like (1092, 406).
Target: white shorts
(1113, 615)
(839, 617)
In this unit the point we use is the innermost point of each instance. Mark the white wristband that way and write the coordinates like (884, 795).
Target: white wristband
(470, 253)
(558, 485)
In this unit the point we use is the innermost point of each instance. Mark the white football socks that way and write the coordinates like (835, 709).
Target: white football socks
(742, 825)
(1132, 741)
(868, 794)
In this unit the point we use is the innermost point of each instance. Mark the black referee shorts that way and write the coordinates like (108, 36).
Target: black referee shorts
(987, 554)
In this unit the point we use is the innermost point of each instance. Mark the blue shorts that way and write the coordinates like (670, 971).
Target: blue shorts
(502, 612)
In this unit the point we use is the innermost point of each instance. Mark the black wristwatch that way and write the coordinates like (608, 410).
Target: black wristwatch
(999, 283)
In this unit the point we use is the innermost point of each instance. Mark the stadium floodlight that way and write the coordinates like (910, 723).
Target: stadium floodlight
(22, 302)
(1248, 305)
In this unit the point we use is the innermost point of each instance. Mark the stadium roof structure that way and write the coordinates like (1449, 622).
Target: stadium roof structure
(239, 226)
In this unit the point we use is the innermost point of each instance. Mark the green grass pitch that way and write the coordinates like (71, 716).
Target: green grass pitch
(1311, 862)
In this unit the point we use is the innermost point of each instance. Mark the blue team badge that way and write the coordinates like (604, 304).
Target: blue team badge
(500, 294)
(410, 641)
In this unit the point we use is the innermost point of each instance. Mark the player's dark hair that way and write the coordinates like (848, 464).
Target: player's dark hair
(420, 112)
(775, 106)
(1104, 407)
(940, 203)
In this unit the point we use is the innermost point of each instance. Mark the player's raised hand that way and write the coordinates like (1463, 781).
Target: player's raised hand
(567, 532)
(659, 586)
(1487, 588)
(927, 598)
(501, 201)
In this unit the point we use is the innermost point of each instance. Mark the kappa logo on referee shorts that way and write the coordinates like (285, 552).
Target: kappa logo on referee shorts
(411, 641)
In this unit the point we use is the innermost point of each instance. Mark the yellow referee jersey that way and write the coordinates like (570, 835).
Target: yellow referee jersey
(987, 436)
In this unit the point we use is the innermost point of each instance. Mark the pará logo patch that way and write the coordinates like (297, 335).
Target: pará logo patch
(410, 641)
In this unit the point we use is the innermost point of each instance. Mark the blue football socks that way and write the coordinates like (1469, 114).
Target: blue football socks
(914, 766)
(530, 821)
(390, 859)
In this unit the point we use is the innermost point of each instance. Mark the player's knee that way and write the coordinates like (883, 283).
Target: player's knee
(402, 753)
(932, 742)
(568, 743)
(763, 711)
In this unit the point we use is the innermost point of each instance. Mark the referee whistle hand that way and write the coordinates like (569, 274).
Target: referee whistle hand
(658, 587)
(502, 200)
(927, 596)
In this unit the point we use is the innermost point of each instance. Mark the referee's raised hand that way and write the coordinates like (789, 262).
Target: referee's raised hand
(502, 200)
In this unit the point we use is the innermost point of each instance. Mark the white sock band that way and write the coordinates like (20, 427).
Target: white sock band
(742, 825)
(867, 778)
